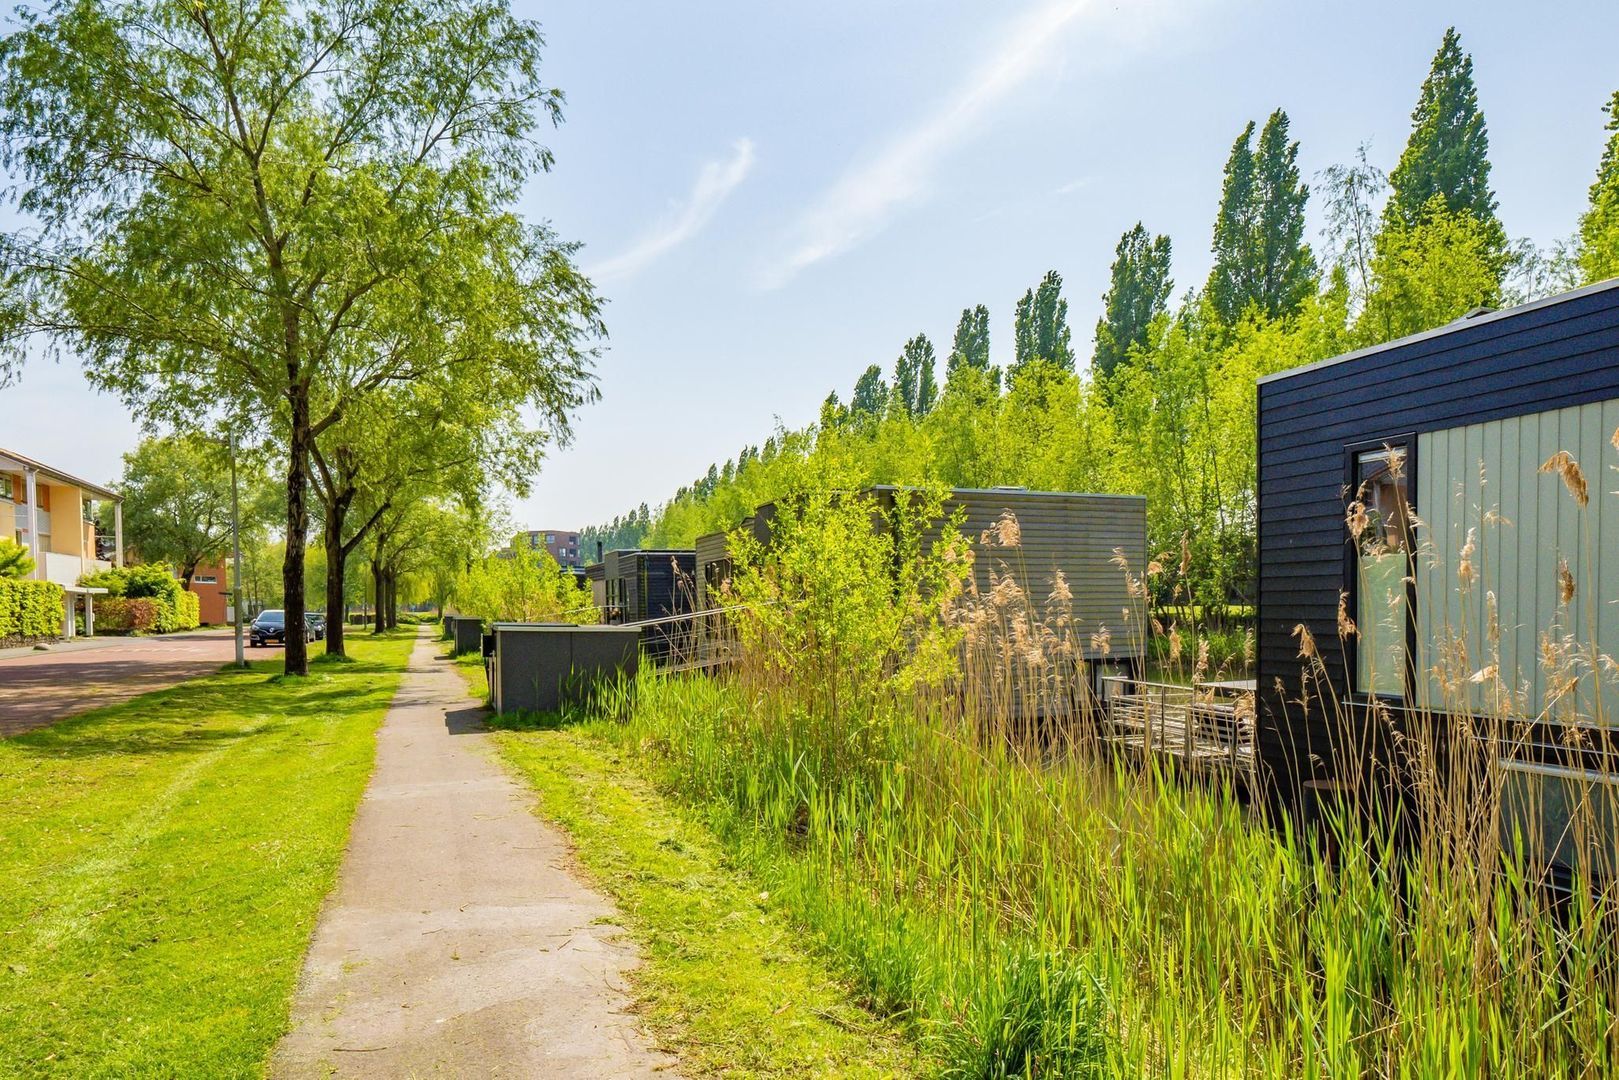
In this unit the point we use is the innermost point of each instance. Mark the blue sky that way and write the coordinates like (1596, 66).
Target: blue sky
(774, 196)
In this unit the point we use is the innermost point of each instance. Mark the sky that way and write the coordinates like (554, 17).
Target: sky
(773, 196)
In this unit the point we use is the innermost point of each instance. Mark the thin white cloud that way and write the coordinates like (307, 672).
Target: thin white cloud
(685, 220)
(861, 201)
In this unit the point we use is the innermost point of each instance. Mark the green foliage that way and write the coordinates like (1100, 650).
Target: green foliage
(870, 397)
(279, 212)
(143, 598)
(969, 349)
(1599, 227)
(915, 388)
(1040, 326)
(1260, 258)
(177, 500)
(848, 587)
(1445, 166)
(1429, 273)
(523, 586)
(1138, 294)
(15, 562)
(29, 610)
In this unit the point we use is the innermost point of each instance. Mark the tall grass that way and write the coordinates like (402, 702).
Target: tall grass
(1037, 903)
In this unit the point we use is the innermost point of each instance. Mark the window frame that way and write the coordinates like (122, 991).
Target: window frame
(1352, 453)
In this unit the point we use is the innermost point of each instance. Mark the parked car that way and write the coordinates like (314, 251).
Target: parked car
(317, 624)
(271, 626)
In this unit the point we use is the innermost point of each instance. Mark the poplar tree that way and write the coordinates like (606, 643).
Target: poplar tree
(1448, 153)
(1138, 293)
(915, 389)
(1040, 326)
(1260, 258)
(970, 347)
(870, 393)
(1599, 227)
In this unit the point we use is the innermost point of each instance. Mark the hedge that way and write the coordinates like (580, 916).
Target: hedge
(29, 609)
(119, 614)
(173, 608)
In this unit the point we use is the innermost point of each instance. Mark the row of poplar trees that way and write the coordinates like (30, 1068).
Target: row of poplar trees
(1165, 405)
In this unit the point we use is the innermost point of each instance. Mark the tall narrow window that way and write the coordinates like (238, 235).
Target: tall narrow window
(1382, 564)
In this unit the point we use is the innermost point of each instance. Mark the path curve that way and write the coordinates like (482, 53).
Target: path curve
(458, 941)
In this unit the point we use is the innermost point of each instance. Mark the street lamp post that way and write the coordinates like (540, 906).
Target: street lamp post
(236, 543)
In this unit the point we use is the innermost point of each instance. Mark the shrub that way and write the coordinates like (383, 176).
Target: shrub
(171, 607)
(131, 615)
(29, 610)
(15, 561)
(188, 611)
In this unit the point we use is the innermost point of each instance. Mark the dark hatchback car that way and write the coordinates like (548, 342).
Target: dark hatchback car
(271, 626)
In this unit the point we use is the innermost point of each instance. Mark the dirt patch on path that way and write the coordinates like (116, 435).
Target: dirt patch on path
(458, 942)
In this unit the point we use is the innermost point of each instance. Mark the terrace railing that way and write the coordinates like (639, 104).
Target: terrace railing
(1205, 726)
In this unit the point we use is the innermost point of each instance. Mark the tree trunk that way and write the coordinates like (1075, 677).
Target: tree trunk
(376, 595)
(296, 658)
(392, 585)
(336, 566)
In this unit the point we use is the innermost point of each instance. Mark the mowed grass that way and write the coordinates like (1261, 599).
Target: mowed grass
(726, 982)
(162, 862)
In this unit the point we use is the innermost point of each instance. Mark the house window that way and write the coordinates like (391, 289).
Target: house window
(8, 489)
(1379, 521)
(205, 579)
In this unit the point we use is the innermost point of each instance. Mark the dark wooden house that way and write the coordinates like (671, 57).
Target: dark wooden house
(1430, 450)
(641, 583)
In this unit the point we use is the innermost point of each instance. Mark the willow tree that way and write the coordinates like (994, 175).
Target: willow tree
(274, 211)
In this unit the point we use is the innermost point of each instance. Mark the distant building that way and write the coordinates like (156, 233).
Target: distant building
(563, 544)
(211, 583)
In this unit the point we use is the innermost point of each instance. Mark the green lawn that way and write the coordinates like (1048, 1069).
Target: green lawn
(162, 862)
(726, 982)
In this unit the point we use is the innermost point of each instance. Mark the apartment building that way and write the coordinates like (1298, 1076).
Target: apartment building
(53, 513)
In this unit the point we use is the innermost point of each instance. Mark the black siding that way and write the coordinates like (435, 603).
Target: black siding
(1550, 355)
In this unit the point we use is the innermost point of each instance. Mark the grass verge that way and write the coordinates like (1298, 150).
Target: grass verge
(163, 861)
(725, 981)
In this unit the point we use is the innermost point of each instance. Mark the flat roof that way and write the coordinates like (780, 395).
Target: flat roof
(595, 628)
(1451, 327)
(12, 456)
(1016, 491)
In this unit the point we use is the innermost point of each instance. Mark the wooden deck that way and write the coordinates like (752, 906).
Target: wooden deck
(1208, 727)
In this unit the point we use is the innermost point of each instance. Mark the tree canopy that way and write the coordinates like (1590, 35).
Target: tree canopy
(1260, 258)
(1447, 157)
(270, 212)
(1599, 227)
(177, 500)
(1138, 294)
(1040, 326)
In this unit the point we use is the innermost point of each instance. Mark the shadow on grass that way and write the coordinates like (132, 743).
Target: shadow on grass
(193, 717)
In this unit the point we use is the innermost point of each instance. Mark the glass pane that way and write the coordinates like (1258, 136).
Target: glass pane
(1382, 564)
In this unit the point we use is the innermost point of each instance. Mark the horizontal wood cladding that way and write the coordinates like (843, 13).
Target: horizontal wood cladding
(1549, 355)
(1075, 533)
(649, 584)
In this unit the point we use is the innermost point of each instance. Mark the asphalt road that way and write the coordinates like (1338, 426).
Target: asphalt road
(40, 688)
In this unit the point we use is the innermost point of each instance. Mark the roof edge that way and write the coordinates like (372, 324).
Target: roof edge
(40, 466)
(1451, 327)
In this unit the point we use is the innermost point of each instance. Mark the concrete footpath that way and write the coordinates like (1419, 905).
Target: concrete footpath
(458, 942)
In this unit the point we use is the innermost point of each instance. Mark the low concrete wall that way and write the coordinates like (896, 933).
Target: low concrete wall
(541, 667)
